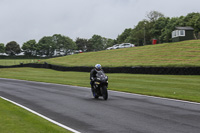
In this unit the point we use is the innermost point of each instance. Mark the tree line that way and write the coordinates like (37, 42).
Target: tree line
(155, 26)
(56, 45)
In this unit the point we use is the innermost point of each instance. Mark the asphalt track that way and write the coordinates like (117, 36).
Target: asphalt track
(121, 113)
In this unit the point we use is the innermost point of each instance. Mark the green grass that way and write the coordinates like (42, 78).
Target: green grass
(171, 86)
(13, 119)
(186, 53)
(10, 62)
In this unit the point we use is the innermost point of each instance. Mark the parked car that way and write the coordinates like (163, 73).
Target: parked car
(126, 45)
(116, 46)
(109, 48)
(113, 47)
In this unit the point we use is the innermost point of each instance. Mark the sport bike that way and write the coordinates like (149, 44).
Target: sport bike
(100, 86)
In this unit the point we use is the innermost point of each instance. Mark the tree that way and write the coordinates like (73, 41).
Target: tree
(59, 42)
(108, 42)
(63, 43)
(154, 15)
(90, 46)
(30, 48)
(141, 34)
(95, 43)
(12, 48)
(144, 31)
(2, 48)
(81, 44)
(166, 32)
(158, 28)
(69, 44)
(193, 20)
(46, 46)
(123, 37)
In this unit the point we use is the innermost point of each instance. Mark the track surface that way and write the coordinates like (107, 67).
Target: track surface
(121, 113)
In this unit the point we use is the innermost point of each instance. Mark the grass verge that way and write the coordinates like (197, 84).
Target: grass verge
(14, 119)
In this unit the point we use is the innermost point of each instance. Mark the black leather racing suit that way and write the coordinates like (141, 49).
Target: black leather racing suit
(93, 76)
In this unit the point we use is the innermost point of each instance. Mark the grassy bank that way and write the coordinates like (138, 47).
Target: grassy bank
(10, 62)
(171, 86)
(13, 119)
(186, 53)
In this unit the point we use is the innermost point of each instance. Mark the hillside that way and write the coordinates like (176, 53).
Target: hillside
(185, 53)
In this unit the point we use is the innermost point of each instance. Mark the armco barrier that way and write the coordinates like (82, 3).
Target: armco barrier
(131, 70)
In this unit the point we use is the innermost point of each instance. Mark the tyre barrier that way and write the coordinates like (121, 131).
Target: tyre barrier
(131, 70)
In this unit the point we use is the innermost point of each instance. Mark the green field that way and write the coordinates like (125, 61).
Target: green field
(13, 119)
(186, 53)
(10, 62)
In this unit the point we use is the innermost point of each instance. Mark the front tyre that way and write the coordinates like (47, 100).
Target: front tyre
(104, 92)
(94, 94)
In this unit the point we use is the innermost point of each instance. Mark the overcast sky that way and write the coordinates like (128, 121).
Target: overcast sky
(23, 20)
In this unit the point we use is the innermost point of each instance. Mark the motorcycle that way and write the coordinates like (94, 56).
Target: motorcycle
(100, 86)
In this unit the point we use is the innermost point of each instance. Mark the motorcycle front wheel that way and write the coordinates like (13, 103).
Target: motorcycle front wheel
(104, 92)
(94, 94)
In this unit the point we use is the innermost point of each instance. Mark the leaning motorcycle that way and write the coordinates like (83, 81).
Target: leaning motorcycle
(100, 86)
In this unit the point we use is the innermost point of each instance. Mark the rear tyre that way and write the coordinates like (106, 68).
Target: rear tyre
(104, 92)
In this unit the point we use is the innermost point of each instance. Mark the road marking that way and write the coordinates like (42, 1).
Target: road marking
(34, 112)
(183, 101)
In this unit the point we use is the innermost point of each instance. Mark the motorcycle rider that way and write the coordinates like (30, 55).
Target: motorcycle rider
(94, 72)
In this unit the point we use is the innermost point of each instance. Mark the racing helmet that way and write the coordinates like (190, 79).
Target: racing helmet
(98, 67)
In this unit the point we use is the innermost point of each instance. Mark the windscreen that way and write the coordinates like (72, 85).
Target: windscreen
(100, 74)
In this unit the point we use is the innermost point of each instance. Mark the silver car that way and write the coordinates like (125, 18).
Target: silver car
(116, 46)
(113, 47)
(126, 45)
